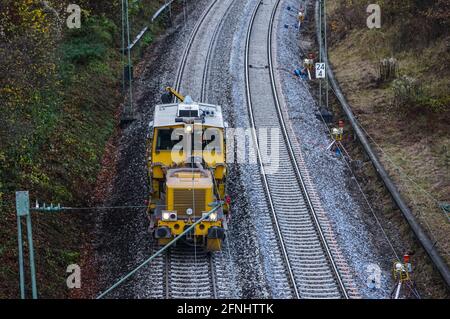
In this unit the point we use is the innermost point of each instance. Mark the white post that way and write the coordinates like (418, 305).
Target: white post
(397, 292)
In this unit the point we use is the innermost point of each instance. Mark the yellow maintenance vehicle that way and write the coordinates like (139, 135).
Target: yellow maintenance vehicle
(186, 153)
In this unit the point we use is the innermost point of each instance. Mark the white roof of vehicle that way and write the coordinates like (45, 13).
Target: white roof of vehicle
(165, 114)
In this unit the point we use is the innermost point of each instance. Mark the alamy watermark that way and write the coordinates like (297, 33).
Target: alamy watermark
(74, 279)
(74, 19)
(374, 19)
(195, 141)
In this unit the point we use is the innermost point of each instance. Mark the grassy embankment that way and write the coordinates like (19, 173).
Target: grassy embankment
(60, 95)
(409, 116)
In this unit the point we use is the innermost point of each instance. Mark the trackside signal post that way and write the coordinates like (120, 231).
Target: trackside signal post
(402, 272)
(23, 211)
(128, 69)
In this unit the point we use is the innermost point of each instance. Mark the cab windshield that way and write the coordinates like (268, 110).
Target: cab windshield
(209, 137)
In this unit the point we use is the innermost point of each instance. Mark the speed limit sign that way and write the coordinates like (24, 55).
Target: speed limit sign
(320, 70)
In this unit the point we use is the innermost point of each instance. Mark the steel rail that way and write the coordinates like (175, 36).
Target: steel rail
(210, 51)
(188, 46)
(181, 281)
(300, 179)
(177, 87)
(296, 165)
(213, 275)
(159, 252)
(255, 138)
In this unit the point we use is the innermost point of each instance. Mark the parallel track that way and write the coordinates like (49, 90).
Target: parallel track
(206, 69)
(188, 47)
(309, 262)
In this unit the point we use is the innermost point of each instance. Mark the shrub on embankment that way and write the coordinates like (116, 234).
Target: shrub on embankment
(416, 33)
(59, 95)
(396, 80)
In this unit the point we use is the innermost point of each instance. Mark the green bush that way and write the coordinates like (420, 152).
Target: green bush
(90, 42)
(410, 93)
(147, 39)
(84, 53)
(407, 91)
(435, 105)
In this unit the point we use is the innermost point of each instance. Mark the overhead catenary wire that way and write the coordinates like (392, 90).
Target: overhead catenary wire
(192, 153)
(192, 135)
(63, 208)
(203, 98)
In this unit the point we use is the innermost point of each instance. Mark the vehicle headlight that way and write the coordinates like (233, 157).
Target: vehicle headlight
(213, 217)
(188, 129)
(169, 216)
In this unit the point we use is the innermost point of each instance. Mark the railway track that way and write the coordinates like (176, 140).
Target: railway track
(188, 271)
(194, 64)
(206, 69)
(308, 258)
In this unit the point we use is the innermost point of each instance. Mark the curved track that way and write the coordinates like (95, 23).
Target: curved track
(187, 271)
(308, 259)
(194, 64)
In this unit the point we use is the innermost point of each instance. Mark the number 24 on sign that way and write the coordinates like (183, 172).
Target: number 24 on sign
(320, 70)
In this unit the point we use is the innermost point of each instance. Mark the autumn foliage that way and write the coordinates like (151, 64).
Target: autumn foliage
(429, 19)
(55, 117)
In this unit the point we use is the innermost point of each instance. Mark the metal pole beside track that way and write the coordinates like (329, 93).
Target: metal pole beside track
(20, 248)
(31, 254)
(325, 48)
(23, 210)
(123, 47)
(130, 68)
(320, 55)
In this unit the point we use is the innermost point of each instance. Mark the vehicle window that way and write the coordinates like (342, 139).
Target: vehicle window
(210, 140)
(164, 141)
